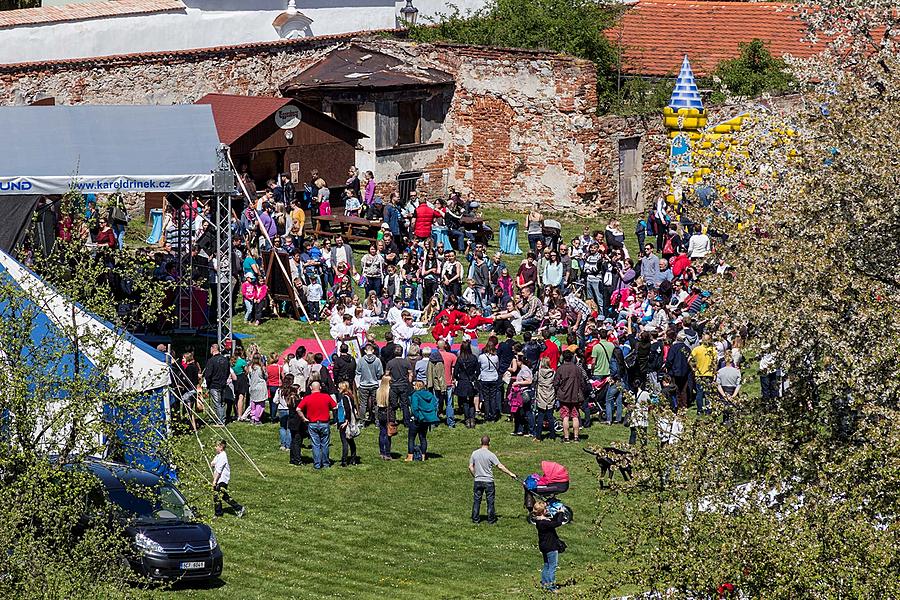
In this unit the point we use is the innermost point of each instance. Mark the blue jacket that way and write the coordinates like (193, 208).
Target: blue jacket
(678, 360)
(392, 218)
(424, 406)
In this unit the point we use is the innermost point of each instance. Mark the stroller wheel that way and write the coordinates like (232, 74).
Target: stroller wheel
(530, 519)
(566, 515)
(557, 426)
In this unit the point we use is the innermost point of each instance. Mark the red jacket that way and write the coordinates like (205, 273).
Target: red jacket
(441, 331)
(679, 264)
(472, 323)
(456, 318)
(551, 352)
(425, 216)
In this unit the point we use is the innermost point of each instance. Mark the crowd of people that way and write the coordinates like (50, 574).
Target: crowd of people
(581, 331)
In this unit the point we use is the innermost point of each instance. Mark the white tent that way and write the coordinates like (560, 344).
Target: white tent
(138, 368)
(107, 149)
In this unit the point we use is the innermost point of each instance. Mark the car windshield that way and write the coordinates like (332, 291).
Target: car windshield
(151, 503)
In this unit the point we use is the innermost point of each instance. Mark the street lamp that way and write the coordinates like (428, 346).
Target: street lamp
(409, 14)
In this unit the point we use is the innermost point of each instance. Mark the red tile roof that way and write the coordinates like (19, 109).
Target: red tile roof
(86, 10)
(236, 115)
(654, 35)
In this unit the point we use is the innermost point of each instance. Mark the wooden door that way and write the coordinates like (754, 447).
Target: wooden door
(631, 193)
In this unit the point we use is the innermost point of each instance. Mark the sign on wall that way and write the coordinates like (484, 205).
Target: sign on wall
(287, 117)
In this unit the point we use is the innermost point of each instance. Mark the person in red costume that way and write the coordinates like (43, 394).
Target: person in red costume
(443, 330)
(473, 321)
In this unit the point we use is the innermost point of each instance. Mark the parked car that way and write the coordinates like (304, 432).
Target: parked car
(168, 543)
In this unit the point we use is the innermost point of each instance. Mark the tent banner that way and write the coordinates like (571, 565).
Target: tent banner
(105, 184)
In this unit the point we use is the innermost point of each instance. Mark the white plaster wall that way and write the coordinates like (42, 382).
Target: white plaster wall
(365, 122)
(205, 23)
(172, 31)
(431, 8)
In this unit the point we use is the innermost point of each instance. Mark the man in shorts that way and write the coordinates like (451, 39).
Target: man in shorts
(569, 383)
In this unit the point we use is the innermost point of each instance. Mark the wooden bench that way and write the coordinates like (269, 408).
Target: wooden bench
(334, 225)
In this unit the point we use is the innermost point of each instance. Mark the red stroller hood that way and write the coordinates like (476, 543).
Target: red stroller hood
(553, 473)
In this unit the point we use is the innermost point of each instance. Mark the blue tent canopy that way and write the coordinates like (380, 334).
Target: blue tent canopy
(139, 369)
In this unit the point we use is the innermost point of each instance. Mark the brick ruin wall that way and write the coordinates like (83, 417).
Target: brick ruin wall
(522, 126)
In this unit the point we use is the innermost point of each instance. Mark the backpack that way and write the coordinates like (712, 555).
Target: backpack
(631, 357)
(434, 376)
(613, 363)
(667, 247)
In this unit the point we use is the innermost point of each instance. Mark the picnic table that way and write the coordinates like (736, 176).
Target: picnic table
(351, 228)
(476, 226)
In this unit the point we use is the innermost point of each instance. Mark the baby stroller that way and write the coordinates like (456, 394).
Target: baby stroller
(551, 231)
(545, 487)
(596, 399)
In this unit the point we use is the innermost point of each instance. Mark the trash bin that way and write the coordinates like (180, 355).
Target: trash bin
(156, 221)
(509, 237)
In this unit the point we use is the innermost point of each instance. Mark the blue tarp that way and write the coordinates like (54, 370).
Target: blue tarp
(142, 370)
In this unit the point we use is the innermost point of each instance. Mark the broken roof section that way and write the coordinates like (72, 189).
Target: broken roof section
(356, 67)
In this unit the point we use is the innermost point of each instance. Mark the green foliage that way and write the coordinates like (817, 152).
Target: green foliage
(123, 292)
(639, 96)
(753, 73)
(17, 4)
(53, 391)
(794, 497)
(572, 27)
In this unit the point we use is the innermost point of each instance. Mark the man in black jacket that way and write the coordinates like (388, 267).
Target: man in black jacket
(216, 374)
(389, 350)
(344, 366)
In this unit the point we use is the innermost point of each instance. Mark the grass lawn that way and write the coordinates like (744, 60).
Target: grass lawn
(391, 529)
(395, 529)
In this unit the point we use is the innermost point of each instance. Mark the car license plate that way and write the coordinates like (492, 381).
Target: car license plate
(193, 565)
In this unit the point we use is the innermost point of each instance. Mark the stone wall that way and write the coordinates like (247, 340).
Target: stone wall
(522, 125)
(653, 148)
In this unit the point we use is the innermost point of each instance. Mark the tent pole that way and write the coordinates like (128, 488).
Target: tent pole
(223, 186)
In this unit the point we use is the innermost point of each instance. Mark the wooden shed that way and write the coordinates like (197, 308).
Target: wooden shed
(281, 135)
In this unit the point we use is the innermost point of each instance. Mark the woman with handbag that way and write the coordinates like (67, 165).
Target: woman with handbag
(520, 395)
(259, 392)
(548, 543)
(348, 428)
(466, 373)
(384, 416)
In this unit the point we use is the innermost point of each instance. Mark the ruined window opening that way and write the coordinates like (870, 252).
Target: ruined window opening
(409, 122)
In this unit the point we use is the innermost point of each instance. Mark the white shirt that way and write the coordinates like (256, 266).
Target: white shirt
(670, 429)
(299, 368)
(220, 465)
(698, 246)
(469, 295)
(394, 316)
(340, 255)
